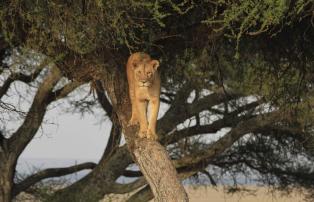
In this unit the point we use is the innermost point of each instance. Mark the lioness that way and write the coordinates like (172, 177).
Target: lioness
(144, 88)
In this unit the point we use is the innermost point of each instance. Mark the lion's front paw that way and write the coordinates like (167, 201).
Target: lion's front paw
(133, 122)
(151, 135)
(142, 133)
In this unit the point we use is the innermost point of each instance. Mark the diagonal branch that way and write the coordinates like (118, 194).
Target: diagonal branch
(114, 138)
(64, 91)
(116, 130)
(49, 173)
(102, 98)
(35, 115)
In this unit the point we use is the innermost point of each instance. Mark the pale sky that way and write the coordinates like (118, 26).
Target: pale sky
(69, 137)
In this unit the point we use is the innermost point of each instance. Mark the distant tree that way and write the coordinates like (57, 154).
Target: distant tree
(245, 67)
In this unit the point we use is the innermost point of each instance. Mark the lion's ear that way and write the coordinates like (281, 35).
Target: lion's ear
(155, 64)
(134, 65)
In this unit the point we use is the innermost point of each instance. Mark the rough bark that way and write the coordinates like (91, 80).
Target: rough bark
(159, 171)
(6, 180)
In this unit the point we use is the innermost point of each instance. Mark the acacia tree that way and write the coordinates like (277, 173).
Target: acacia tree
(259, 87)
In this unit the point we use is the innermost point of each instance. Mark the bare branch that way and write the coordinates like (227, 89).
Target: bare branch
(49, 173)
(229, 120)
(210, 177)
(64, 91)
(114, 138)
(102, 98)
(231, 137)
(17, 77)
(170, 120)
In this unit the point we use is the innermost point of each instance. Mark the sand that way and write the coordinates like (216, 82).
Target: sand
(252, 194)
(209, 194)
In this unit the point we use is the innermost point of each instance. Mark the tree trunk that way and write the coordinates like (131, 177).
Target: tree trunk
(159, 171)
(6, 180)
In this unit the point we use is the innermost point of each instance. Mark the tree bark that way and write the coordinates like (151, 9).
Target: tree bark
(159, 171)
(6, 179)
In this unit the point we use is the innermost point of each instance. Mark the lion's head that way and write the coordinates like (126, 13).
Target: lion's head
(144, 70)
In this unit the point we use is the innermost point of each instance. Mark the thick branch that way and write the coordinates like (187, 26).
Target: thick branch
(49, 173)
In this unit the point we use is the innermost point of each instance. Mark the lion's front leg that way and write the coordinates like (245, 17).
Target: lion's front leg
(154, 105)
(142, 109)
(134, 117)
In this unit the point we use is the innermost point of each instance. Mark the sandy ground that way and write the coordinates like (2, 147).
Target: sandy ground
(209, 194)
(252, 194)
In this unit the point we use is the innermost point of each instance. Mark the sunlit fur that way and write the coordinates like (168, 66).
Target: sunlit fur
(144, 89)
(144, 73)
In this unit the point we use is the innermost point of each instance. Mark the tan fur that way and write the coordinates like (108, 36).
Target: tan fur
(144, 89)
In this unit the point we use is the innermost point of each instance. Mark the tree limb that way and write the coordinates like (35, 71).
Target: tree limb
(49, 173)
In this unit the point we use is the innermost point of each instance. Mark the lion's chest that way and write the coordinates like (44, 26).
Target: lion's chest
(143, 93)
